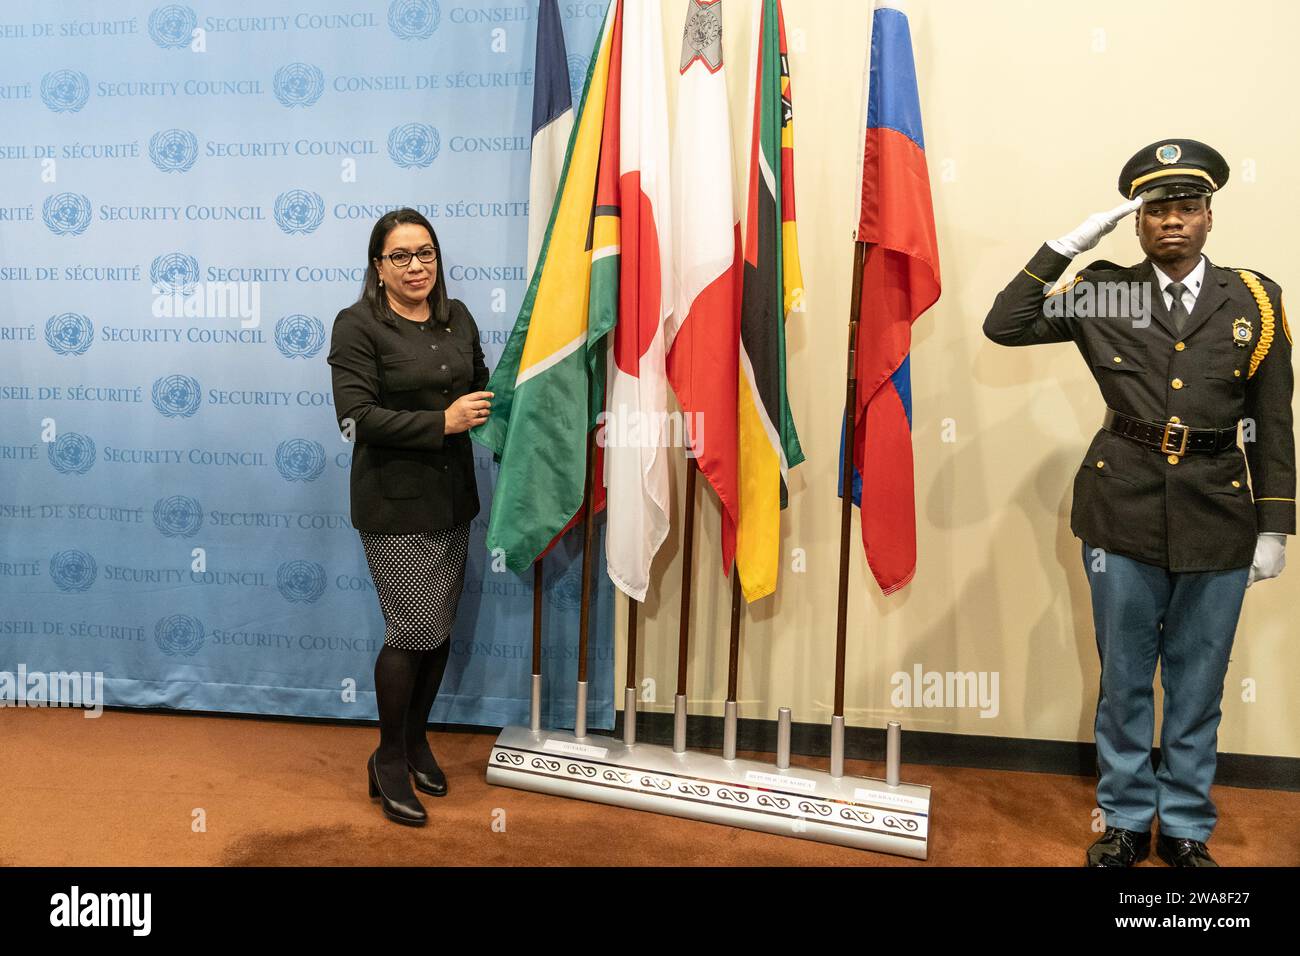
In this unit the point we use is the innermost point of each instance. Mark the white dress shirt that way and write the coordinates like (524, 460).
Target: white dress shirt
(1193, 281)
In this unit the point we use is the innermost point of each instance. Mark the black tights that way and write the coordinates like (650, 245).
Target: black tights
(406, 683)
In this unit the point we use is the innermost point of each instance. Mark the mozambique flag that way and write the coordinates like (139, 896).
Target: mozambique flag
(773, 285)
(548, 384)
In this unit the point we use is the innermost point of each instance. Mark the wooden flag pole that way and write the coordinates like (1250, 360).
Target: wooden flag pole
(684, 621)
(535, 709)
(629, 691)
(733, 671)
(584, 612)
(846, 511)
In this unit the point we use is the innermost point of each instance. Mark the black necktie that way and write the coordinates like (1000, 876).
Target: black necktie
(1177, 311)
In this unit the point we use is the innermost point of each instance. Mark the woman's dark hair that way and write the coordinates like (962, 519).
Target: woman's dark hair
(373, 295)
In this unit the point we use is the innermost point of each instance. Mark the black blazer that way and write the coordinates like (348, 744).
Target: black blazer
(1198, 512)
(394, 385)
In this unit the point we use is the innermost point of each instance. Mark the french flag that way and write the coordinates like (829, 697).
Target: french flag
(900, 280)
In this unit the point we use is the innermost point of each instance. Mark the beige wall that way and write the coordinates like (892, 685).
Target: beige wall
(1030, 109)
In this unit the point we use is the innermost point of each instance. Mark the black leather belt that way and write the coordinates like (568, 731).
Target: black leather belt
(1171, 438)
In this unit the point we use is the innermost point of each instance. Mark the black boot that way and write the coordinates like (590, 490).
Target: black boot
(396, 671)
(1118, 847)
(424, 768)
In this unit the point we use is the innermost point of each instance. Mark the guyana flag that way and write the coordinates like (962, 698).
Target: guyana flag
(767, 444)
(549, 383)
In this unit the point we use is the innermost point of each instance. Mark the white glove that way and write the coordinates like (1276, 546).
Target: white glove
(1270, 557)
(1092, 229)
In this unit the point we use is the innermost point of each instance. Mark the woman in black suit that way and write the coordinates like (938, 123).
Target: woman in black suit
(408, 374)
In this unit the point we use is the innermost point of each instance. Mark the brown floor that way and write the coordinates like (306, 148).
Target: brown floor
(123, 789)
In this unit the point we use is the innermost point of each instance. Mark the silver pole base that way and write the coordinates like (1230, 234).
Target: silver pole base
(837, 747)
(893, 753)
(580, 714)
(679, 724)
(535, 706)
(783, 738)
(799, 802)
(729, 731)
(629, 715)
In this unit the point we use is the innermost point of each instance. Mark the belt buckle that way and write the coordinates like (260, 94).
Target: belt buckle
(1165, 440)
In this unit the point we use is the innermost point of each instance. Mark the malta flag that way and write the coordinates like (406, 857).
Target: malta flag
(636, 204)
(899, 281)
(767, 443)
(548, 382)
(703, 333)
(552, 125)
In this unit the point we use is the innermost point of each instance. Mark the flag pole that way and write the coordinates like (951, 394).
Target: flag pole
(733, 668)
(629, 692)
(584, 612)
(684, 621)
(535, 707)
(846, 511)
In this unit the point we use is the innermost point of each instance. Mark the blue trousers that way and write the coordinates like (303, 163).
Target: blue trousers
(1144, 613)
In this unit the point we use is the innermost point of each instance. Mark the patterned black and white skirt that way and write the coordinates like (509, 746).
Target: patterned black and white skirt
(419, 578)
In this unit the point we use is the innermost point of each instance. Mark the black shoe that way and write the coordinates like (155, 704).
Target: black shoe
(433, 783)
(1119, 848)
(1177, 851)
(404, 809)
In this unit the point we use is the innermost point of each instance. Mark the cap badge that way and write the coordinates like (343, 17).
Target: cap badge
(1242, 332)
(1169, 153)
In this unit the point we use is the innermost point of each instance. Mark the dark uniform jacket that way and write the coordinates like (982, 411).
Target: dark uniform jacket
(395, 384)
(1201, 511)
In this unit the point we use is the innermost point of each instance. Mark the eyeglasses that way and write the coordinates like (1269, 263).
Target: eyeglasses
(401, 258)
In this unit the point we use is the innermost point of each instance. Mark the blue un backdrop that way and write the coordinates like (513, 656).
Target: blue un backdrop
(186, 191)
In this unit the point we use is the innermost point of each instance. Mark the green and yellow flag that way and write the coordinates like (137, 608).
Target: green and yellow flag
(767, 443)
(548, 384)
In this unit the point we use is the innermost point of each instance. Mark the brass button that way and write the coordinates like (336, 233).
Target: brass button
(1236, 484)
(1101, 464)
(1175, 419)
(1179, 346)
(1177, 383)
(1117, 360)
(1236, 372)
(1172, 459)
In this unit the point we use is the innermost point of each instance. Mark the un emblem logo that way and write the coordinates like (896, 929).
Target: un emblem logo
(71, 453)
(299, 211)
(73, 570)
(298, 84)
(578, 66)
(299, 336)
(177, 396)
(300, 459)
(172, 26)
(65, 91)
(69, 333)
(173, 150)
(179, 635)
(414, 19)
(67, 214)
(301, 581)
(178, 516)
(566, 591)
(414, 144)
(174, 272)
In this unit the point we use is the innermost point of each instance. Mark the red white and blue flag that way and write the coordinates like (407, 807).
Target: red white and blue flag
(899, 281)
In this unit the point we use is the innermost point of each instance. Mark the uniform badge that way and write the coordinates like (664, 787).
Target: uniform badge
(1169, 153)
(1242, 332)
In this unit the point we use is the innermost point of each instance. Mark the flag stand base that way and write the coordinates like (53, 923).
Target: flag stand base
(857, 812)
